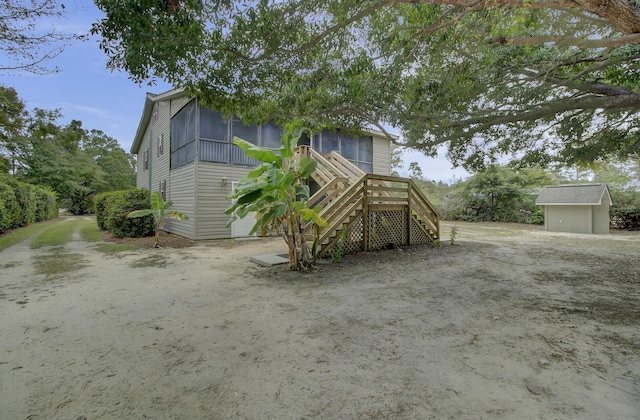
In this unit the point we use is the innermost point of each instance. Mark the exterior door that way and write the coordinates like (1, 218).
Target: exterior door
(240, 228)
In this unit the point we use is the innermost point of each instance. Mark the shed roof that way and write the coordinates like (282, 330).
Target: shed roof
(574, 195)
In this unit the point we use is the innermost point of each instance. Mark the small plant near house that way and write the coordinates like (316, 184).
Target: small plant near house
(338, 253)
(453, 234)
(276, 192)
(160, 211)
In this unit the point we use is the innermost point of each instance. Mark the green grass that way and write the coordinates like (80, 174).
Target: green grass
(111, 249)
(58, 262)
(56, 235)
(89, 231)
(19, 235)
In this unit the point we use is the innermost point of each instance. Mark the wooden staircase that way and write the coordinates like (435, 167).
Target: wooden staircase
(367, 212)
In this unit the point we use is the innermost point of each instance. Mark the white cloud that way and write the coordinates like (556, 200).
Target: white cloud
(102, 113)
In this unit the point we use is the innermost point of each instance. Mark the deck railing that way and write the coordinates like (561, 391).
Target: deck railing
(367, 212)
(377, 212)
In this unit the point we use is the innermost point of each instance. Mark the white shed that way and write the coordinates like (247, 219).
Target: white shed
(576, 208)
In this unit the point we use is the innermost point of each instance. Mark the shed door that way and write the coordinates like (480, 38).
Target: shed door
(240, 228)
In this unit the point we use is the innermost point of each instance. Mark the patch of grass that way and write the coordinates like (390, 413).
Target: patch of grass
(111, 249)
(56, 235)
(58, 262)
(159, 261)
(19, 235)
(89, 232)
(10, 265)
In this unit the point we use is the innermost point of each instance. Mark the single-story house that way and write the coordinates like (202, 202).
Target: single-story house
(576, 208)
(185, 151)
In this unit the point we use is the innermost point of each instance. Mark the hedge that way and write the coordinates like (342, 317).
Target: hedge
(22, 204)
(111, 210)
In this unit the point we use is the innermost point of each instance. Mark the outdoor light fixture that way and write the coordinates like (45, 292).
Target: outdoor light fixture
(224, 182)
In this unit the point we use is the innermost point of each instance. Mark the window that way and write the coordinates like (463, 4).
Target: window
(330, 142)
(365, 154)
(183, 136)
(271, 136)
(160, 145)
(163, 190)
(156, 109)
(247, 133)
(214, 136)
(145, 160)
(358, 150)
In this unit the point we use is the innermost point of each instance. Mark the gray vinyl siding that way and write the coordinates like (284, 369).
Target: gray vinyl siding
(575, 219)
(160, 164)
(211, 202)
(181, 191)
(142, 175)
(601, 217)
(381, 156)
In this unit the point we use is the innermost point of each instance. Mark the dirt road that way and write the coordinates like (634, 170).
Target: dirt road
(512, 322)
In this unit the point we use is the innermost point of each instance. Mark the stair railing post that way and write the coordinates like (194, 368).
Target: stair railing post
(365, 214)
(409, 200)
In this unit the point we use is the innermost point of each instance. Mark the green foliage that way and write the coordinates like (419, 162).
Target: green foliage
(276, 193)
(113, 207)
(100, 205)
(160, 211)
(338, 253)
(453, 234)
(22, 204)
(486, 80)
(73, 162)
(498, 193)
(625, 213)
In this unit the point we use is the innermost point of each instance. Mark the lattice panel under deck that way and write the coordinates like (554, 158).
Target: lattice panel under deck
(418, 236)
(387, 227)
(352, 240)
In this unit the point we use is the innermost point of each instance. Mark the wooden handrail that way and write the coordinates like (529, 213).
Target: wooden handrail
(345, 166)
(329, 191)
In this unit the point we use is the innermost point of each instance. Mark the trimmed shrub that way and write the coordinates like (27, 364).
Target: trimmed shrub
(22, 204)
(100, 204)
(625, 213)
(111, 213)
(10, 205)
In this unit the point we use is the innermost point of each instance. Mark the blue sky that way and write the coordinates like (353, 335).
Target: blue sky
(84, 89)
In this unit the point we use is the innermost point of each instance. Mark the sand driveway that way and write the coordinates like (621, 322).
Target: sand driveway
(512, 322)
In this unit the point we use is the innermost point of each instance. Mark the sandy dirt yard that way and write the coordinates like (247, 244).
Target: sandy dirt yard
(510, 323)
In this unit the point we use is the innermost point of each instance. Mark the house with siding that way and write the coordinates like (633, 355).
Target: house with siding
(185, 152)
(576, 208)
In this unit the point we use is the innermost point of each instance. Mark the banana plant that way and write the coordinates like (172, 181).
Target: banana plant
(276, 192)
(160, 211)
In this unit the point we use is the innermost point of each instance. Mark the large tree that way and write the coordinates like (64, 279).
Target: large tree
(12, 123)
(72, 161)
(536, 80)
(29, 39)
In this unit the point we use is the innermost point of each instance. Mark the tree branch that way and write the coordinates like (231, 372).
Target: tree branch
(569, 41)
(619, 102)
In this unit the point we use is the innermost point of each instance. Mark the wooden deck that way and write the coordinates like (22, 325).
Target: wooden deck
(367, 212)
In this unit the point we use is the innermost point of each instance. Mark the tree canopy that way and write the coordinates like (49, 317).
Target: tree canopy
(28, 38)
(72, 161)
(538, 81)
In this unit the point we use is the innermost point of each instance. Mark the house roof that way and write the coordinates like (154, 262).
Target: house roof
(574, 195)
(152, 98)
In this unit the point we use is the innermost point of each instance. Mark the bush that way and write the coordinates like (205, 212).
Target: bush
(9, 205)
(22, 204)
(100, 204)
(111, 213)
(625, 213)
